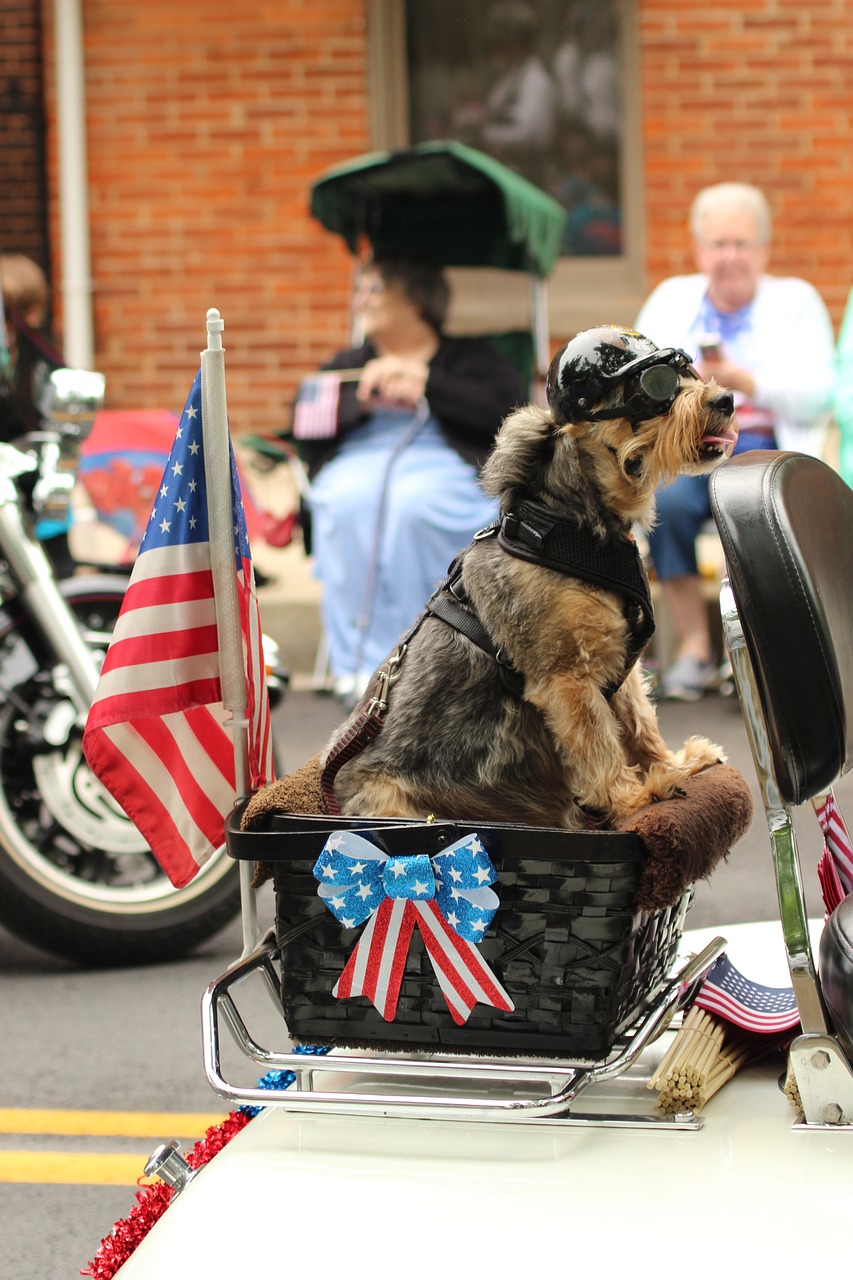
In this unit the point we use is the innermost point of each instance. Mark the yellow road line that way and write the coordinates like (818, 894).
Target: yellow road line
(120, 1124)
(74, 1167)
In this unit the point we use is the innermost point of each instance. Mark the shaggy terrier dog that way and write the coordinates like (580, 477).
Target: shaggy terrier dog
(519, 695)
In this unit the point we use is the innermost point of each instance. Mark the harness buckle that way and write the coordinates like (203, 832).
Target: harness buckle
(378, 704)
(515, 528)
(488, 532)
(456, 589)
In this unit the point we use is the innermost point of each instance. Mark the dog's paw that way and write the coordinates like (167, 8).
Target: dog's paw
(698, 754)
(660, 783)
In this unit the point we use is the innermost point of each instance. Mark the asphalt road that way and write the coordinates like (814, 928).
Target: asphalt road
(125, 1046)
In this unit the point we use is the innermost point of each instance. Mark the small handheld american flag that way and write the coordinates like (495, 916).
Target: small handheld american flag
(746, 1004)
(316, 413)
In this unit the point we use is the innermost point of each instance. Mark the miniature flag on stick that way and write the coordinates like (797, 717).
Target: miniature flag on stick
(746, 1004)
(316, 413)
(733, 1022)
(179, 655)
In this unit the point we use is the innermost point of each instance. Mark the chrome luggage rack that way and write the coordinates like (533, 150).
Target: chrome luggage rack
(428, 1085)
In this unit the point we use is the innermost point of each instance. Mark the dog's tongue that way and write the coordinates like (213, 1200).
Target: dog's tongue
(728, 436)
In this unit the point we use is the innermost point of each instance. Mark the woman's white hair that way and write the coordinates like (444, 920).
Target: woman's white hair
(731, 195)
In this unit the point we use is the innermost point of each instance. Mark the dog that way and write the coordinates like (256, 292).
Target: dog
(530, 705)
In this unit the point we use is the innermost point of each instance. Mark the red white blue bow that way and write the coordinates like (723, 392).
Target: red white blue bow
(447, 897)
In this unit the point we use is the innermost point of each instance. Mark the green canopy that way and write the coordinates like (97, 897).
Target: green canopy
(444, 201)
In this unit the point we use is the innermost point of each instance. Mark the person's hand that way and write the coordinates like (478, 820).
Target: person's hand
(728, 375)
(397, 380)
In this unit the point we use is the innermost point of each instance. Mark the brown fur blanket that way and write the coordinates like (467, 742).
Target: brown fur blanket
(686, 837)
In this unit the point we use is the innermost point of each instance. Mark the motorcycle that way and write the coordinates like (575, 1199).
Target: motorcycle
(76, 877)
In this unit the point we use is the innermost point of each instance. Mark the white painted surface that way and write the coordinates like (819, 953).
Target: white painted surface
(378, 1198)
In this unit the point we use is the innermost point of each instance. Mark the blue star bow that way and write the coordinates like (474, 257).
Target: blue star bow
(355, 877)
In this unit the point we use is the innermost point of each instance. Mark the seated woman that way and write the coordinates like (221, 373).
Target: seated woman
(393, 443)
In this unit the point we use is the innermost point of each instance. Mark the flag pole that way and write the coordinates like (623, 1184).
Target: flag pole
(232, 670)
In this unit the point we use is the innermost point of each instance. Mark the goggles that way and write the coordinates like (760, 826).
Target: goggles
(650, 386)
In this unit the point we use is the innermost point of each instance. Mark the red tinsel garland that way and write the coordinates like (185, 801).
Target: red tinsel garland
(152, 1200)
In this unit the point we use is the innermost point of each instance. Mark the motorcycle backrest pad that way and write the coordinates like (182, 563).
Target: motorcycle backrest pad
(786, 524)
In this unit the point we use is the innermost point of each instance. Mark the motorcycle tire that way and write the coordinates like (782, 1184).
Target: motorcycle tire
(76, 877)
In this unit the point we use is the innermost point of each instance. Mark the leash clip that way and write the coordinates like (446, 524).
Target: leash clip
(378, 704)
(488, 532)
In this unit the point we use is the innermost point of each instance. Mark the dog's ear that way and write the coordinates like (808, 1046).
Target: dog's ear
(522, 453)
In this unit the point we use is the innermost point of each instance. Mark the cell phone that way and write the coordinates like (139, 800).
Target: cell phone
(710, 348)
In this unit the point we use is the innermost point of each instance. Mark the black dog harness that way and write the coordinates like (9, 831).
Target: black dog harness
(532, 532)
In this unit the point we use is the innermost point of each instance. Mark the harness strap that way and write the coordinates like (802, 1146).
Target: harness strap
(534, 533)
(446, 604)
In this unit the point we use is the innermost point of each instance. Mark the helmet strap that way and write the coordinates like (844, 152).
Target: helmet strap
(642, 410)
(646, 402)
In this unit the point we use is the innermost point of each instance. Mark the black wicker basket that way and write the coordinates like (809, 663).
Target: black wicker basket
(568, 943)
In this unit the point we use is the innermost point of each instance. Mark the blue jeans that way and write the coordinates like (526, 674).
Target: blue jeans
(380, 561)
(683, 507)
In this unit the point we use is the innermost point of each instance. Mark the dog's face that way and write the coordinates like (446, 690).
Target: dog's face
(617, 462)
(692, 436)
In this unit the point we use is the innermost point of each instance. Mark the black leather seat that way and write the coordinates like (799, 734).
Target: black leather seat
(786, 524)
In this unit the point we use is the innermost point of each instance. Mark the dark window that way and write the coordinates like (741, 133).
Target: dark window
(537, 85)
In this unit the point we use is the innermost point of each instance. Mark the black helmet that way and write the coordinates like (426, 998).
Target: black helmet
(597, 359)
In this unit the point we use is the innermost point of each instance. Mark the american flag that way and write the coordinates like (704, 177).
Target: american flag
(748, 1005)
(155, 734)
(835, 869)
(316, 414)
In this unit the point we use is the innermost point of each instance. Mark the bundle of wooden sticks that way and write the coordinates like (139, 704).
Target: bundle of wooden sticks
(704, 1054)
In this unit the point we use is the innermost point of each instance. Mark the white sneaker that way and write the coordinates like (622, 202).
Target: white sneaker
(688, 679)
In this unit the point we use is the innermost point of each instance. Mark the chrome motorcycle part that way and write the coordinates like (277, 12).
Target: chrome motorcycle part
(71, 399)
(40, 593)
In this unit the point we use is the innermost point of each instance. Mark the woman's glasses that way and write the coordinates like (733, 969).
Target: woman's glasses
(368, 288)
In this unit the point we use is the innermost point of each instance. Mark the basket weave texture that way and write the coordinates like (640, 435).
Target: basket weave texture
(569, 944)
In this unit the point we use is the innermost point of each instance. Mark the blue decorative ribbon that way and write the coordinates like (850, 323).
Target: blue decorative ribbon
(355, 878)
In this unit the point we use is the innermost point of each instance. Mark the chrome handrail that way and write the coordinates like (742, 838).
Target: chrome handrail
(822, 1072)
(786, 862)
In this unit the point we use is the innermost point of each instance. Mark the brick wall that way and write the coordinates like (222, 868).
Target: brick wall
(752, 91)
(23, 226)
(207, 122)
